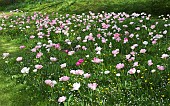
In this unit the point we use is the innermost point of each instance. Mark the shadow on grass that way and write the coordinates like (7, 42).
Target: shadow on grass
(150, 7)
(154, 7)
(12, 93)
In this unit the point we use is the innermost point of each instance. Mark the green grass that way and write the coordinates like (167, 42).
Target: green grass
(12, 93)
(10, 89)
(154, 7)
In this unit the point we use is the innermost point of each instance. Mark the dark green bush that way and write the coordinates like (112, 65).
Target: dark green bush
(7, 2)
(160, 6)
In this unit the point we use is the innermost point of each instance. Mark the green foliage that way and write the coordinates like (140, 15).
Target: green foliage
(154, 7)
(8, 2)
(143, 89)
(160, 6)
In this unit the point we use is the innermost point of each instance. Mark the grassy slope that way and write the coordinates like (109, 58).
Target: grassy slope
(155, 7)
(9, 91)
(8, 87)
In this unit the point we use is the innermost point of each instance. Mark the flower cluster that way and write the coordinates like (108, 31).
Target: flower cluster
(84, 52)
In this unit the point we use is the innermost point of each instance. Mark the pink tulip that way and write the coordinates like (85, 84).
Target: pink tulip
(90, 37)
(84, 48)
(34, 50)
(143, 51)
(128, 56)
(64, 78)
(4, 55)
(79, 72)
(38, 47)
(38, 66)
(71, 52)
(19, 59)
(132, 71)
(103, 40)
(97, 60)
(40, 36)
(98, 35)
(119, 66)
(150, 62)
(115, 52)
(21, 47)
(125, 40)
(53, 22)
(92, 86)
(76, 86)
(153, 26)
(57, 46)
(63, 65)
(116, 35)
(53, 59)
(168, 48)
(72, 71)
(160, 67)
(50, 82)
(164, 56)
(135, 64)
(105, 26)
(133, 53)
(118, 39)
(39, 55)
(66, 51)
(154, 42)
(79, 62)
(87, 75)
(62, 99)
(32, 37)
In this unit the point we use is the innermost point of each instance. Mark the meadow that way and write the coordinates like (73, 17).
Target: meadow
(85, 53)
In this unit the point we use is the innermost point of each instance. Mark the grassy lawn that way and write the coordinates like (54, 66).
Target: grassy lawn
(8, 87)
(154, 7)
(11, 92)
(87, 45)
